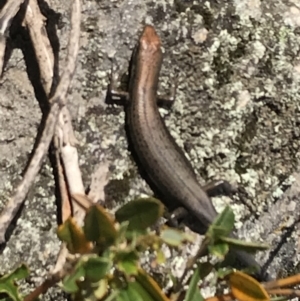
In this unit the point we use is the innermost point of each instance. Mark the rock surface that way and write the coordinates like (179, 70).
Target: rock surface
(236, 115)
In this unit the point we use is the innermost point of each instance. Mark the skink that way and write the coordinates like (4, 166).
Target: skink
(163, 161)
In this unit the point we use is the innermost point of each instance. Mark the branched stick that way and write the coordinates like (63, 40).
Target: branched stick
(58, 101)
(66, 155)
(69, 175)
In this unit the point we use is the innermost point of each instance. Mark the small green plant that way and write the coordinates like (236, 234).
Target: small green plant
(105, 254)
(109, 265)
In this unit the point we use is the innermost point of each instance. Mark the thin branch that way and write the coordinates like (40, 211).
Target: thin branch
(289, 281)
(285, 292)
(48, 283)
(7, 13)
(34, 22)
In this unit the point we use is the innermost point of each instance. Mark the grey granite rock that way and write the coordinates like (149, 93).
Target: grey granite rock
(236, 115)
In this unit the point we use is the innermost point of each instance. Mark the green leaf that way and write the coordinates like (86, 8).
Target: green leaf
(220, 250)
(224, 222)
(225, 218)
(73, 235)
(7, 282)
(122, 296)
(69, 283)
(193, 292)
(124, 234)
(127, 262)
(99, 226)
(96, 267)
(222, 273)
(174, 237)
(138, 293)
(250, 247)
(91, 268)
(217, 232)
(141, 213)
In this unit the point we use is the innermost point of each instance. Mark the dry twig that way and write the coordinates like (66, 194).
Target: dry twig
(7, 14)
(34, 22)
